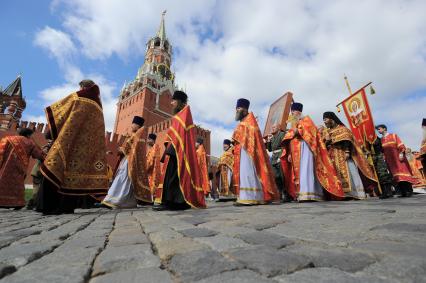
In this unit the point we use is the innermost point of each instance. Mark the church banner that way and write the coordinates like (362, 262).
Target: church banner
(358, 113)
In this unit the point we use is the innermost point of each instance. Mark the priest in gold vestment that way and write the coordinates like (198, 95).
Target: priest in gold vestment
(352, 167)
(76, 163)
(131, 180)
(153, 163)
(224, 173)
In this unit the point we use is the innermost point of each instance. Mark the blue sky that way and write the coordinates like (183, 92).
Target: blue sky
(224, 50)
(19, 24)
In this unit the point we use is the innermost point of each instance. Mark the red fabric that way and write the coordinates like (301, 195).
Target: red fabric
(361, 121)
(153, 167)
(15, 152)
(202, 163)
(324, 169)
(401, 170)
(181, 136)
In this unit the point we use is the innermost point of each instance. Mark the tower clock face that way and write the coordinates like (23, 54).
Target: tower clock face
(164, 71)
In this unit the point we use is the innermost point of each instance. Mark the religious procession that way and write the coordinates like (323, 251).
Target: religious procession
(293, 161)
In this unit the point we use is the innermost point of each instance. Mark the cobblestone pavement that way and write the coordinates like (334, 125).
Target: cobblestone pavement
(354, 241)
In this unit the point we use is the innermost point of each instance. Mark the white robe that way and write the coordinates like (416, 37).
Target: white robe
(120, 194)
(250, 187)
(357, 188)
(310, 187)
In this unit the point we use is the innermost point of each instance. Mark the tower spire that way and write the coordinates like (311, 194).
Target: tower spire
(162, 30)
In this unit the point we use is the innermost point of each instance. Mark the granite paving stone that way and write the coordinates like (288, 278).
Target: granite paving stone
(352, 241)
(196, 265)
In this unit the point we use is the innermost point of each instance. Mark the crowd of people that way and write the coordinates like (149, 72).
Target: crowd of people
(305, 162)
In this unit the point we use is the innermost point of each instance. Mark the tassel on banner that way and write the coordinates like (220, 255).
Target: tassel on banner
(372, 91)
(338, 109)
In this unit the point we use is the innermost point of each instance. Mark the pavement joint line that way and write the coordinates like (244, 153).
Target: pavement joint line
(90, 272)
(164, 264)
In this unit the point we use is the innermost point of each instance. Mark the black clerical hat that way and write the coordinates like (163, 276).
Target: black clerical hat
(243, 103)
(296, 106)
(226, 141)
(138, 120)
(180, 95)
(381, 126)
(332, 116)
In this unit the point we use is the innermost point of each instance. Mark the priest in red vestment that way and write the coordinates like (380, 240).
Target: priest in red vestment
(181, 184)
(15, 153)
(423, 147)
(308, 170)
(202, 163)
(394, 151)
(153, 164)
(253, 176)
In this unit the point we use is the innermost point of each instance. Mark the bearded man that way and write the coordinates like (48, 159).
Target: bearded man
(253, 176)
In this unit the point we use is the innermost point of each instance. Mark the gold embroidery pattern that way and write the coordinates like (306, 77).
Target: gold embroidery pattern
(337, 155)
(137, 166)
(77, 157)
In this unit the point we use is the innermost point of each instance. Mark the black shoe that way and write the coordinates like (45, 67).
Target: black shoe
(51, 212)
(242, 204)
(101, 205)
(286, 198)
(159, 207)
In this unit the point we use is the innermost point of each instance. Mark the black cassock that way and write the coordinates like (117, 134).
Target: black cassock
(172, 195)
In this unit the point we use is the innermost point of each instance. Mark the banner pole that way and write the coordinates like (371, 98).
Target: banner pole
(347, 85)
(370, 149)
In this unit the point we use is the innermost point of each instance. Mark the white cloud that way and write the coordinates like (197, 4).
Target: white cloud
(54, 93)
(260, 49)
(62, 48)
(104, 28)
(56, 42)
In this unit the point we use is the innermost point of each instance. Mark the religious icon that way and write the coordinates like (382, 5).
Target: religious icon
(357, 111)
(278, 113)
